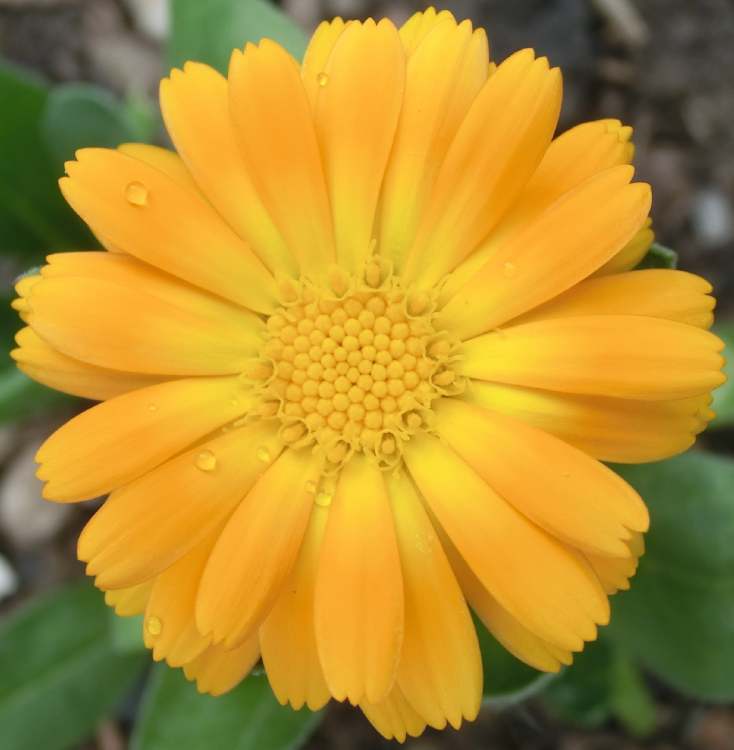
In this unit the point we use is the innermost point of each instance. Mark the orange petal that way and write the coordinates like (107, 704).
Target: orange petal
(393, 717)
(317, 56)
(130, 601)
(359, 590)
(218, 669)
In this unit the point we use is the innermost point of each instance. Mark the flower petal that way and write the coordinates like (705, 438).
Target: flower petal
(605, 355)
(276, 134)
(393, 717)
(43, 363)
(631, 254)
(168, 162)
(119, 440)
(195, 107)
(544, 584)
(169, 628)
(615, 572)
(141, 210)
(317, 54)
(356, 115)
(610, 429)
(569, 494)
(218, 669)
(656, 293)
(130, 601)
(496, 149)
(440, 670)
(552, 253)
(359, 589)
(288, 635)
(444, 74)
(146, 526)
(257, 549)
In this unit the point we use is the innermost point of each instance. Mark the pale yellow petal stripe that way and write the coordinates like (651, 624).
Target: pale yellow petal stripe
(288, 635)
(275, 130)
(356, 114)
(572, 496)
(546, 586)
(440, 671)
(43, 363)
(359, 589)
(610, 429)
(144, 212)
(121, 439)
(195, 107)
(496, 149)
(443, 76)
(653, 292)
(255, 553)
(552, 253)
(152, 522)
(607, 355)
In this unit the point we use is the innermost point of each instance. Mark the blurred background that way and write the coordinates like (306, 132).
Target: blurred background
(663, 66)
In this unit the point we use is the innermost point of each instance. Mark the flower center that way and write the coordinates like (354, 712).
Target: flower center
(354, 365)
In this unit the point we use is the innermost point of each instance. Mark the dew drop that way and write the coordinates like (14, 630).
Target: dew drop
(152, 407)
(154, 625)
(310, 487)
(322, 79)
(206, 461)
(137, 194)
(509, 270)
(323, 499)
(263, 454)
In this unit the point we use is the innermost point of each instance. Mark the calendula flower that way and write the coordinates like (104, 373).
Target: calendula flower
(361, 345)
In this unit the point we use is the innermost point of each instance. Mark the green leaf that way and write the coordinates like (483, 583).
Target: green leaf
(659, 256)
(209, 31)
(80, 115)
(600, 685)
(21, 397)
(126, 633)
(34, 218)
(723, 403)
(678, 618)
(175, 717)
(506, 679)
(59, 675)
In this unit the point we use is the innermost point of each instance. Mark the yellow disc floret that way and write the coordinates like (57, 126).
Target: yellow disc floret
(353, 364)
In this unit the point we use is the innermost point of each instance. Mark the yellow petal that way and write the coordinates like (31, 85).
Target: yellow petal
(514, 636)
(356, 114)
(558, 487)
(656, 293)
(540, 581)
(195, 107)
(359, 589)
(275, 131)
(153, 217)
(552, 253)
(257, 549)
(125, 328)
(218, 669)
(169, 162)
(444, 74)
(169, 628)
(615, 572)
(123, 438)
(393, 717)
(317, 56)
(440, 670)
(130, 601)
(631, 254)
(149, 524)
(43, 363)
(496, 149)
(605, 355)
(610, 429)
(288, 635)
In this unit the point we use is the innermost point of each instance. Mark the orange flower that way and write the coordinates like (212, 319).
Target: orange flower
(360, 346)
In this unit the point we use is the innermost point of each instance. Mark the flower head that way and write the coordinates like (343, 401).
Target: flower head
(361, 345)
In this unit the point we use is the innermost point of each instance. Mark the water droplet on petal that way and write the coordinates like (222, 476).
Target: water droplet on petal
(310, 487)
(152, 407)
(154, 625)
(323, 499)
(263, 454)
(509, 270)
(137, 194)
(322, 79)
(206, 461)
